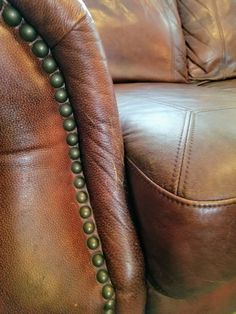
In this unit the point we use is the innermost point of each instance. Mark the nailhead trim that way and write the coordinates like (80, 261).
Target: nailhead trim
(40, 49)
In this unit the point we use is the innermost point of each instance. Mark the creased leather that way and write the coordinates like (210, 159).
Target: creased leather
(209, 29)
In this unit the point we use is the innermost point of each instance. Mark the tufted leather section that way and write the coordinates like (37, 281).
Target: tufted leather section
(180, 149)
(209, 28)
(143, 39)
(78, 52)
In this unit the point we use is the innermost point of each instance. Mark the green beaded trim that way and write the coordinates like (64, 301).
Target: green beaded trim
(40, 49)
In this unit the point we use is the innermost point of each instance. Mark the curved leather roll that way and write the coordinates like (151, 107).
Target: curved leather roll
(44, 260)
(69, 31)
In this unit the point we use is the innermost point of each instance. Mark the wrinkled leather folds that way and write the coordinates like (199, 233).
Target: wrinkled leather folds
(209, 28)
(143, 39)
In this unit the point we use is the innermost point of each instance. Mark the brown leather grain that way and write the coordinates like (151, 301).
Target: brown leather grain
(143, 39)
(209, 28)
(44, 261)
(180, 147)
(70, 33)
(182, 136)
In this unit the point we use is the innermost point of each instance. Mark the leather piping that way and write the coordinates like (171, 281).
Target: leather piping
(178, 199)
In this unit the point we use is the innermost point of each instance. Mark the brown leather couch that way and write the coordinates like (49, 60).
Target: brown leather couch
(78, 210)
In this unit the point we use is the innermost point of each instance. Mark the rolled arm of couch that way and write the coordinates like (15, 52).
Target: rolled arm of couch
(68, 30)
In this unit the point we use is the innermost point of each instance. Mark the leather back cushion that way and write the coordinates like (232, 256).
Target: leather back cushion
(143, 39)
(210, 34)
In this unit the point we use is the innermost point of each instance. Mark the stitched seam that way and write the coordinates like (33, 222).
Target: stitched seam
(189, 155)
(213, 110)
(180, 108)
(155, 187)
(184, 151)
(174, 173)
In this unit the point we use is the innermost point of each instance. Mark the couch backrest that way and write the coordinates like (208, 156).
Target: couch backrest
(210, 34)
(143, 39)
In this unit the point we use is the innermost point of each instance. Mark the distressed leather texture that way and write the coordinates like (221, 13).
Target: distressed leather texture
(143, 39)
(209, 29)
(45, 263)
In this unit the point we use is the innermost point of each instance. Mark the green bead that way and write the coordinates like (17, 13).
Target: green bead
(1, 3)
(102, 276)
(74, 153)
(61, 95)
(69, 124)
(57, 80)
(82, 197)
(76, 167)
(110, 305)
(11, 16)
(79, 182)
(89, 227)
(66, 110)
(28, 33)
(93, 243)
(85, 212)
(49, 65)
(40, 49)
(109, 312)
(98, 260)
(107, 292)
(72, 139)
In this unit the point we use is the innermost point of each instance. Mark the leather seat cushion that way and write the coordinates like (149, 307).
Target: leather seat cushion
(209, 28)
(220, 301)
(143, 40)
(180, 143)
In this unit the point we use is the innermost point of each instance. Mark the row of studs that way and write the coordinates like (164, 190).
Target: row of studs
(39, 48)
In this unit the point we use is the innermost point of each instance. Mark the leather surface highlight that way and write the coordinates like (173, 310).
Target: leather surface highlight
(180, 150)
(45, 263)
(143, 39)
(189, 247)
(182, 136)
(69, 31)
